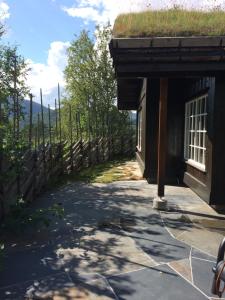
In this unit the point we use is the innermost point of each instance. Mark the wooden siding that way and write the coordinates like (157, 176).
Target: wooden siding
(175, 147)
(152, 130)
(208, 184)
(218, 145)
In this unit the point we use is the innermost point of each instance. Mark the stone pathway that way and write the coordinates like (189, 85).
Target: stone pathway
(113, 245)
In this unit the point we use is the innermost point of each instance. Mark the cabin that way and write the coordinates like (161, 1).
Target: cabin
(177, 86)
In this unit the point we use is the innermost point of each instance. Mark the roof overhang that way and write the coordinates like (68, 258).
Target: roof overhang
(164, 57)
(157, 57)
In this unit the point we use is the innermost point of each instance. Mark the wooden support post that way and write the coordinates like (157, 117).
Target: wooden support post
(162, 144)
(162, 136)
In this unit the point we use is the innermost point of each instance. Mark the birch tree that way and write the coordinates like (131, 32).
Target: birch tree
(91, 87)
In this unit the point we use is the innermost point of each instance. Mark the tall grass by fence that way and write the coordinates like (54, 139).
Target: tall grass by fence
(37, 167)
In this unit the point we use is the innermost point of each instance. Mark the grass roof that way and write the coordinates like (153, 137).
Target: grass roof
(172, 22)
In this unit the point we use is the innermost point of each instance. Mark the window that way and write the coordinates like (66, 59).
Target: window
(139, 124)
(195, 132)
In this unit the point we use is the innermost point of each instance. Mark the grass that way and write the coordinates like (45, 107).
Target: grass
(172, 22)
(105, 173)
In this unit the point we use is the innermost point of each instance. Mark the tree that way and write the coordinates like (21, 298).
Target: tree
(13, 89)
(2, 28)
(91, 88)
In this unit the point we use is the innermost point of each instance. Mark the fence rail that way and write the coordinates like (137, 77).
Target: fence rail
(37, 167)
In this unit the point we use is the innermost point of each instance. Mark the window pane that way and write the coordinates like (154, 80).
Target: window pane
(195, 130)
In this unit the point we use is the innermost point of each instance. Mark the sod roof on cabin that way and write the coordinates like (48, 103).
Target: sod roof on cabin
(170, 23)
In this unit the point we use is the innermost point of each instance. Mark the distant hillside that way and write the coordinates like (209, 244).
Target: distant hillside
(36, 107)
(36, 110)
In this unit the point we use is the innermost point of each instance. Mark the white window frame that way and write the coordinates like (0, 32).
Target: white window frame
(195, 132)
(139, 129)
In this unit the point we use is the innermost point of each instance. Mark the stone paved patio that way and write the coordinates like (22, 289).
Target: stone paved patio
(113, 245)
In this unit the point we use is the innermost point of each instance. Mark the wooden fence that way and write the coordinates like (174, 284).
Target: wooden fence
(38, 167)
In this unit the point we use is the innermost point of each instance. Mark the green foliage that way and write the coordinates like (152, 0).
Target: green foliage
(13, 71)
(91, 89)
(21, 218)
(172, 22)
(13, 89)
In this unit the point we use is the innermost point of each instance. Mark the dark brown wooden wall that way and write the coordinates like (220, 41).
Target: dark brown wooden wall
(210, 185)
(152, 129)
(175, 124)
(149, 105)
(217, 196)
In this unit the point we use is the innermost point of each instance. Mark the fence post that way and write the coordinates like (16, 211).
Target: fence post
(35, 174)
(109, 148)
(97, 150)
(60, 132)
(122, 145)
(31, 121)
(56, 123)
(43, 135)
(113, 148)
(81, 153)
(71, 138)
(89, 153)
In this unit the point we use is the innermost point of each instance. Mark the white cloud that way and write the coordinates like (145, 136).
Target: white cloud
(87, 13)
(47, 76)
(4, 11)
(102, 11)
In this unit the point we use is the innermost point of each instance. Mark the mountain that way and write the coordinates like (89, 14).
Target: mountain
(36, 107)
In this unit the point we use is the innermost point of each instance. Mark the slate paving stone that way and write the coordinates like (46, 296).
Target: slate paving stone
(77, 244)
(183, 267)
(202, 239)
(104, 252)
(60, 286)
(36, 289)
(203, 275)
(156, 242)
(96, 286)
(160, 283)
(197, 253)
(29, 264)
(15, 292)
(177, 222)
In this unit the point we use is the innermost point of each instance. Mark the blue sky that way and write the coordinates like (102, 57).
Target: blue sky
(34, 24)
(43, 30)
